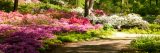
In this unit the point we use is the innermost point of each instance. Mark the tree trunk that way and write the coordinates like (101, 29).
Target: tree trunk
(157, 2)
(150, 3)
(86, 8)
(15, 5)
(91, 3)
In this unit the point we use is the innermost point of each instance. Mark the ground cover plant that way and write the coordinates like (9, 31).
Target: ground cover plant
(153, 29)
(147, 44)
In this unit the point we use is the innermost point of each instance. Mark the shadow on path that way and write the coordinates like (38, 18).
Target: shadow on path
(118, 43)
(100, 46)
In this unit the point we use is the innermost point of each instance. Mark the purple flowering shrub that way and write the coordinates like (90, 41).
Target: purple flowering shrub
(24, 39)
(18, 44)
(6, 30)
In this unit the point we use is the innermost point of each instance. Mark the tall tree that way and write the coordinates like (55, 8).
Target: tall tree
(91, 3)
(150, 2)
(15, 5)
(157, 2)
(88, 7)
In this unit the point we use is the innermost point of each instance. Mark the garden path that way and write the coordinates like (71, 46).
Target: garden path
(118, 43)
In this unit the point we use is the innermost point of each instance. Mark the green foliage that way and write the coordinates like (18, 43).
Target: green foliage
(39, 7)
(147, 43)
(73, 37)
(136, 31)
(55, 2)
(108, 27)
(158, 17)
(49, 45)
(149, 18)
(6, 5)
(142, 7)
(75, 3)
(157, 20)
(89, 35)
(153, 29)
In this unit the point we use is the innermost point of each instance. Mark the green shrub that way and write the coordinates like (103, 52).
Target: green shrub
(142, 7)
(108, 27)
(6, 6)
(60, 2)
(89, 35)
(147, 43)
(39, 7)
(49, 45)
(153, 29)
(73, 37)
(149, 18)
(136, 31)
(157, 20)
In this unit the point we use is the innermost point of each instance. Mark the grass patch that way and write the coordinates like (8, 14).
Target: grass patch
(147, 43)
(153, 29)
(89, 35)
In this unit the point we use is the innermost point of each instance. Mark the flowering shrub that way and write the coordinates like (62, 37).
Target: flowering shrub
(24, 39)
(98, 12)
(6, 30)
(20, 45)
(118, 21)
(74, 24)
(25, 33)
(16, 18)
(60, 14)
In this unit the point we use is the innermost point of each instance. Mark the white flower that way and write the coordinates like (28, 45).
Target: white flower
(117, 20)
(78, 9)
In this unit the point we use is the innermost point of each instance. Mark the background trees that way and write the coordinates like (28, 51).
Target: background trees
(142, 7)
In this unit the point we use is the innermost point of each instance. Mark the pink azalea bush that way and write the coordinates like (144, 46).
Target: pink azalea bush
(24, 33)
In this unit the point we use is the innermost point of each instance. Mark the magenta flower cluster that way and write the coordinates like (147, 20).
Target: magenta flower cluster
(23, 39)
(27, 38)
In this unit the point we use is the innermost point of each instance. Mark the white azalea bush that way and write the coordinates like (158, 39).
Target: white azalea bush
(78, 10)
(118, 21)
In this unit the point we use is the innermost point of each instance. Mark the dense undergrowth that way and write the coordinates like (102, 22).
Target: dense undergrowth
(153, 29)
(147, 44)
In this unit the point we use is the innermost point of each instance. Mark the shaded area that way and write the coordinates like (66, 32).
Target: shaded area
(100, 46)
(118, 43)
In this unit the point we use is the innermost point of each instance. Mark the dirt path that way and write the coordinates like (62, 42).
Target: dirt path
(118, 42)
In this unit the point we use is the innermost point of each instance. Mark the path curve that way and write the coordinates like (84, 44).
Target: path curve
(114, 44)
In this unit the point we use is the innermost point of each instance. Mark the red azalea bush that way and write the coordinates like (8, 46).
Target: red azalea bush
(69, 24)
(98, 12)
(60, 14)
(16, 18)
